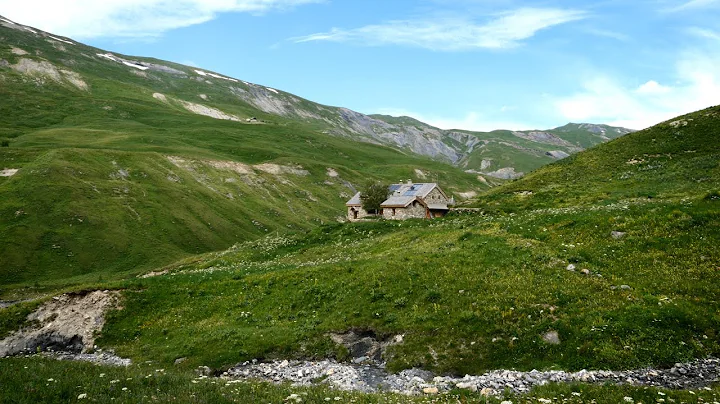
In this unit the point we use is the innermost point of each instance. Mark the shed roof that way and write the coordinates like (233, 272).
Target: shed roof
(398, 201)
(355, 200)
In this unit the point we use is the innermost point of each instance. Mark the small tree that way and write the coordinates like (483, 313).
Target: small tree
(373, 195)
(5, 143)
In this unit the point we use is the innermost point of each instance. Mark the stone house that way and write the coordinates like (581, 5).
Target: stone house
(406, 201)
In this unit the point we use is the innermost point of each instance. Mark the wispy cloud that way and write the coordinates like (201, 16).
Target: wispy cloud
(504, 30)
(694, 4)
(128, 18)
(605, 99)
(608, 34)
(704, 33)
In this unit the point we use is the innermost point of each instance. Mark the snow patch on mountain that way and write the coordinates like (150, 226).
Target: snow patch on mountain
(108, 56)
(272, 89)
(137, 66)
(61, 40)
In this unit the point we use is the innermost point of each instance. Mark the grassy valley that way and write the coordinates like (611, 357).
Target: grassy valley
(626, 281)
(607, 259)
(115, 175)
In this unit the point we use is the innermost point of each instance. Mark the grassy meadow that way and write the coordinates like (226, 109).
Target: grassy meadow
(113, 181)
(615, 249)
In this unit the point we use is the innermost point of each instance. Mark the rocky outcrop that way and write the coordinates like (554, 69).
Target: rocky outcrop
(557, 154)
(66, 323)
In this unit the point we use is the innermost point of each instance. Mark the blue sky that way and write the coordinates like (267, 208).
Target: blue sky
(470, 64)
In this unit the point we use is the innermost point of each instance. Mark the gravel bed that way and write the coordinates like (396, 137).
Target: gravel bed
(372, 377)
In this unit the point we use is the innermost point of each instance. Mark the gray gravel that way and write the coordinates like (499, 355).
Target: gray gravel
(372, 377)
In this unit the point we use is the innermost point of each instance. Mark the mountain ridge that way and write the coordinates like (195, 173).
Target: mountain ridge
(478, 152)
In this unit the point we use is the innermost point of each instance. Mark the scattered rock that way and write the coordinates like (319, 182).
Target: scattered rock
(180, 360)
(679, 123)
(617, 235)
(468, 386)
(374, 378)
(552, 338)
(625, 287)
(487, 391)
(557, 154)
(571, 267)
(364, 345)
(99, 358)
(585, 271)
(203, 371)
(507, 173)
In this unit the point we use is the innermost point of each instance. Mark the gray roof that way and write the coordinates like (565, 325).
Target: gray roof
(420, 190)
(355, 200)
(405, 194)
(398, 201)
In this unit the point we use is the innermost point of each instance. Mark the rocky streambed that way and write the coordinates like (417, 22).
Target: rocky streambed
(372, 377)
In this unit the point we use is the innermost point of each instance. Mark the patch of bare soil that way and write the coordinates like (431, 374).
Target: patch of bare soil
(276, 169)
(208, 111)
(8, 172)
(67, 323)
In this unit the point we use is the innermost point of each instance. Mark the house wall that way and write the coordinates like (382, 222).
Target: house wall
(361, 213)
(414, 210)
(435, 196)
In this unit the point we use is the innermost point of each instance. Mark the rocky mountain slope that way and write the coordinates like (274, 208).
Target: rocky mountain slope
(502, 154)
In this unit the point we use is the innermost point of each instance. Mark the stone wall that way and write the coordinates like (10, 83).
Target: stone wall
(414, 210)
(361, 213)
(435, 196)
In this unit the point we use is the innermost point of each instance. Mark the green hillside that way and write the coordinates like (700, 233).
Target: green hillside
(608, 259)
(625, 281)
(115, 175)
(669, 161)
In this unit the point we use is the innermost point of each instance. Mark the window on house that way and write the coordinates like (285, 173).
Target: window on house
(393, 212)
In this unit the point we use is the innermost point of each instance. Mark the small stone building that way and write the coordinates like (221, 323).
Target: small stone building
(406, 201)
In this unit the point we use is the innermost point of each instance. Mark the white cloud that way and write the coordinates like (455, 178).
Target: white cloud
(127, 18)
(694, 4)
(653, 87)
(704, 33)
(605, 100)
(453, 34)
